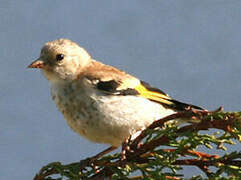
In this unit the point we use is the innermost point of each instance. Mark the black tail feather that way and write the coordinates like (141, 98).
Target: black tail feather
(180, 106)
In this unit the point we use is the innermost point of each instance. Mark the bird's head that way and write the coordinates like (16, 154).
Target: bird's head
(62, 60)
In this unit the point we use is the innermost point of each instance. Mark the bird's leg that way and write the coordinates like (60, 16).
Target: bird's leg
(91, 160)
(125, 148)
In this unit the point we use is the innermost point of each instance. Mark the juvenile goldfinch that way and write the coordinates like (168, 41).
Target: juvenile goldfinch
(100, 102)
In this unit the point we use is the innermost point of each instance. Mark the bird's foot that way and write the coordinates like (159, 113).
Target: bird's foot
(125, 149)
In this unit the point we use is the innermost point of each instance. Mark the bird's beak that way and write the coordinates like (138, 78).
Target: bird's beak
(37, 64)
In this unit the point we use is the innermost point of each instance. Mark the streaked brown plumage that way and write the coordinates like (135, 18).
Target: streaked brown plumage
(100, 102)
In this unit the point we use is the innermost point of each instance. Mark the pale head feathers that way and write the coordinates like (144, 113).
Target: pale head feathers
(75, 59)
(76, 64)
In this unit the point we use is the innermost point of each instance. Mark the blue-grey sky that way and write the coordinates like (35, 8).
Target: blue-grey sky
(190, 49)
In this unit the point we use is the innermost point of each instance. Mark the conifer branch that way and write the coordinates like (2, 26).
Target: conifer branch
(162, 149)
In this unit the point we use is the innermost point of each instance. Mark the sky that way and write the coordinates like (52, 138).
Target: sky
(189, 49)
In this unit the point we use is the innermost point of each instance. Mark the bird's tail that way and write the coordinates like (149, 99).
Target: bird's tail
(180, 106)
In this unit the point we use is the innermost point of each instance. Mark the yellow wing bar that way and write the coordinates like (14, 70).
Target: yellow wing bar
(153, 95)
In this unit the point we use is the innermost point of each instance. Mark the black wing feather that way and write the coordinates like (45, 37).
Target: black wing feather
(108, 86)
(111, 87)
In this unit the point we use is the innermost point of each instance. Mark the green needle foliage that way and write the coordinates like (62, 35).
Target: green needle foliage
(164, 148)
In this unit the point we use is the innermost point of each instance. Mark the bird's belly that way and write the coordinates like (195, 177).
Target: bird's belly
(109, 119)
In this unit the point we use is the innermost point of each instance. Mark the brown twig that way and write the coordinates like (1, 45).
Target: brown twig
(141, 154)
(204, 162)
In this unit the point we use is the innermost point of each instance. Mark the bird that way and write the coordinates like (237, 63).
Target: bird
(99, 102)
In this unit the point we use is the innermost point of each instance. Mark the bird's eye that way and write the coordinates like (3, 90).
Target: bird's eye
(59, 57)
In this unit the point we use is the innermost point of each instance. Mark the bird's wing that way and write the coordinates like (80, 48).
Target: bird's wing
(112, 81)
(155, 94)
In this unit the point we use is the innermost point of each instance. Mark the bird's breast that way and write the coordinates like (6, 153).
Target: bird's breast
(105, 118)
(73, 105)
